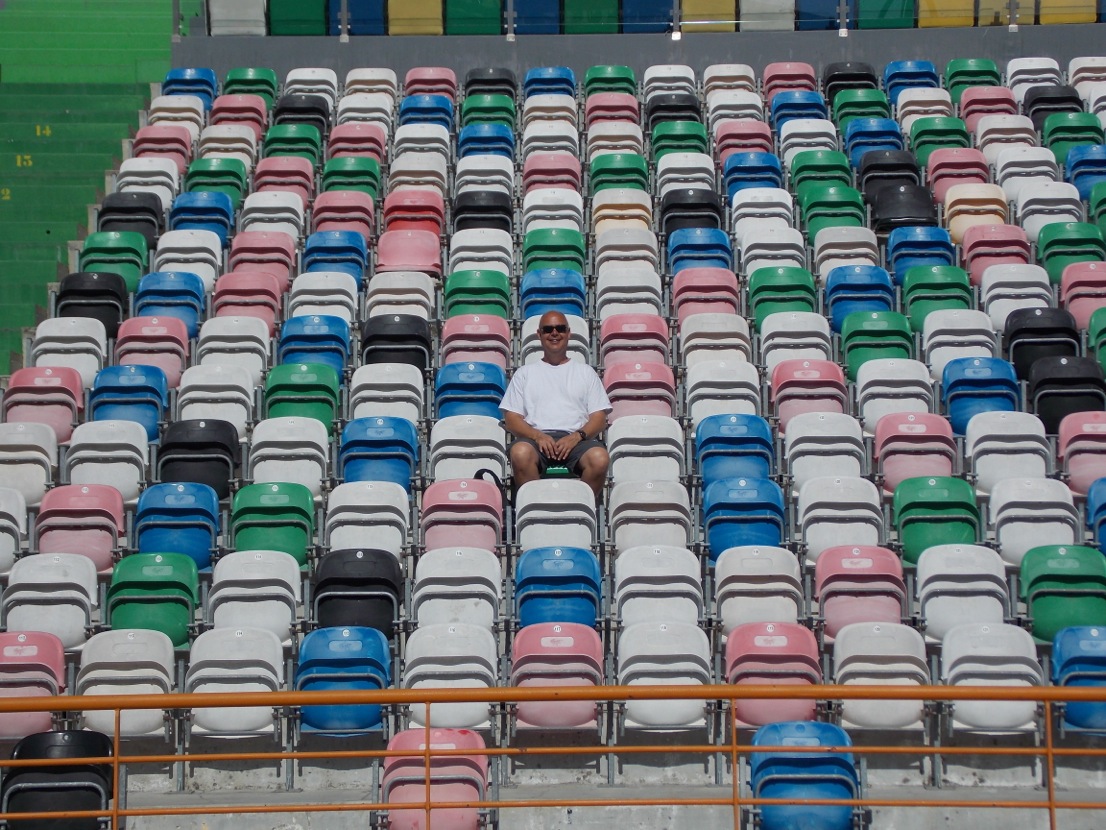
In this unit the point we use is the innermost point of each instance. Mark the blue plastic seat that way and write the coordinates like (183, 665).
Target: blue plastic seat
(180, 516)
(743, 511)
(339, 659)
(796, 103)
(337, 251)
(1085, 167)
(900, 75)
(426, 109)
(910, 246)
(315, 338)
(199, 81)
(366, 17)
(130, 393)
(486, 138)
(1079, 659)
(646, 16)
(745, 170)
(538, 17)
(970, 385)
(699, 248)
(469, 389)
(558, 585)
(177, 294)
(379, 449)
(1095, 511)
(865, 134)
(821, 15)
(547, 80)
(852, 288)
(203, 210)
(797, 776)
(552, 289)
(734, 446)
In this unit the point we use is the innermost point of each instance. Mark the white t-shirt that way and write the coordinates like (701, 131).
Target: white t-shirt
(555, 397)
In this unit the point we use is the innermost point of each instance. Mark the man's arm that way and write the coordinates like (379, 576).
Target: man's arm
(518, 427)
(594, 426)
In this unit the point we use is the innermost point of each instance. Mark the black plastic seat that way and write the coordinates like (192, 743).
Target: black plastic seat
(690, 207)
(396, 338)
(98, 294)
(847, 75)
(303, 108)
(132, 210)
(672, 106)
(491, 80)
(81, 786)
(886, 168)
(1032, 334)
(902, 206)
(483, 209)
(205, 451)
(1059, 386)
(358, 587)
(1042, 101)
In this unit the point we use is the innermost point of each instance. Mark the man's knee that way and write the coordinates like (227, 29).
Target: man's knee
(523, 455)
(595, 460)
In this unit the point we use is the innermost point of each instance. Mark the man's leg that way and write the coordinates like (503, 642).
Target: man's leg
(593, 470)
(525, 463)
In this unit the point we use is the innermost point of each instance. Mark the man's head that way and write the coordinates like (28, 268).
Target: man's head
(554, 334)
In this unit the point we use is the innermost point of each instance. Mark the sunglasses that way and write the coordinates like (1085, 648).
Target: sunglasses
(560, 328)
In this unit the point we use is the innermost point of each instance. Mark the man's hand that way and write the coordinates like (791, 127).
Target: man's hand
(547, 445)
(564, 446)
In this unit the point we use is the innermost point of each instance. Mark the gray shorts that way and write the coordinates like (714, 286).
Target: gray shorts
(573, 460)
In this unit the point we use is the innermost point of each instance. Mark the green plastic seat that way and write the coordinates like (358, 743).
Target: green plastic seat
(1062, 586)
(252, 80)
(678, 137)
(885, 14)
(303, 140)
(937, 510)
(274, 516)
(307, 390)
(488, 108)
(1096, 335)
(927, 288)
(830, 206)
(360, 173)
(867, 335)
(553, 248)
(820, 168)
(618, 170)
(477, 292)
(609, 78)
(117, 252)
(782, 288)
(859, 103)
(1096, 205)
(155, 591)
(961, 73)
(1061, 243)
(473, 17)
(1064, 130)
(222, 175)
(297, 17)
(933, 132)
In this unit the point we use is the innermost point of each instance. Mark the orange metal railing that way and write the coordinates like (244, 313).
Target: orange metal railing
(731, 747)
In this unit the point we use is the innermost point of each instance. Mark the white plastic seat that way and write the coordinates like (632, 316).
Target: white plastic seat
(646, 448)
(402, 292)
(275, 211)
(159, 176)
(1006, 445)
(79, 343)
(1025, 513)
(235, 17)
(28, 459)
(729, 76)
(714, 336)
(1020, 166)
(200, 252)
(242, 342)
(772, 247)
(451, 655)
(360, 510)
(684, 170)
(549, 107)
(387, 390)
(787, 335)
(889, 384)
(333, 293)
(550, 136)
(753, 206)
(920, 102)
(732, 104)
(836, 246)
(561, 509)
(109, 452)
(667, 77)
(627, 288)
(553, 207)
(1042, 203)
(457, 585)
(657, 582)
(881, 654)
(462, 445)
(127, 662)
(649, 512)
(52, 592)
(819, 441)
(626, 245)
(484, 171)
(260, 588)
(371, 79)
(614, 137)
(758, 584)
(13, 527)
(958, 584)
(668, 653)
(1085, 71)
(313, 80)
(1022, 74)
(996, 133)
(1010, 286)
(419, 169)
(951, 333)
(230, 661)
(217, 391)
(178, 110)
(838, 510)
(797, 135)
(481, 248)
(292, 449)
(234, 141)
(722, 387)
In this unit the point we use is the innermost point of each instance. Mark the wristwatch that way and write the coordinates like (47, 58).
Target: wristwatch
(583, 435)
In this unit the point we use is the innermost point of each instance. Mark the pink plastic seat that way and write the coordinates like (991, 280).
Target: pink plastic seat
(462, 513)
(344, 210)
(154, 341)
(50, 395)
(431, 80)
(291, 173)
(1081, 449)
(476, 337)
(32, 664)
(640, 388)
(452, 778)
(164, 141)
(87, 519)
(1083, 290)
(249, 294)
(858, 583)
(272, 252)
(556, 654)
(909, 444)
(630, 338)
(955, 165)
(993, 244)
(978, 101)
(409, 251)
(741, 135)
(804, 385)
(242, 110)
(611, 106)
(787, 75)
(775, 653)
(554, 169)
(704, 291)
(357, 138)
(414, 209)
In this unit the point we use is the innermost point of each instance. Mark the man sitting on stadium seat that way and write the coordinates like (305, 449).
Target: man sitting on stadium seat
(556, 408)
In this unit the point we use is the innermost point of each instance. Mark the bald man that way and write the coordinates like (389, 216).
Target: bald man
(556, 409)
